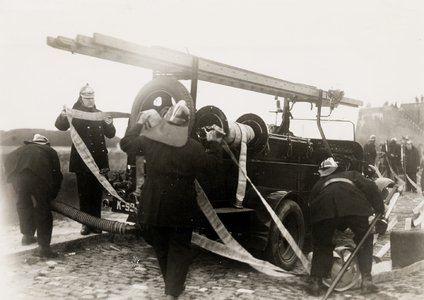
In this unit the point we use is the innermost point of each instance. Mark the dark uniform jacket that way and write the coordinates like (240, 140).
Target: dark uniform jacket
(41, 160)
(370, 154)
(412, 160)
(93, 134)
(168, 196)
(340, 199)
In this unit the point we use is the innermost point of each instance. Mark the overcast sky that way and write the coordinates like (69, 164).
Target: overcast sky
(372, 50)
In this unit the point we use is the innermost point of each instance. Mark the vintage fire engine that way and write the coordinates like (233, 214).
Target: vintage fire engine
(283, 167)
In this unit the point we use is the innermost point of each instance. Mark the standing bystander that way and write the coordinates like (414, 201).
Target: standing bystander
(412, 166)
(93, 133)
(168, 203)
(34, 172)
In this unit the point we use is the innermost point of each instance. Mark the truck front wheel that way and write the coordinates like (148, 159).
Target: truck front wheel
(278, 250)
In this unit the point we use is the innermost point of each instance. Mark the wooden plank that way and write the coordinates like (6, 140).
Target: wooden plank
(165, 61)
(418, 220)
(419, 208)
(383, 250)
(392, 223)
(408, 223)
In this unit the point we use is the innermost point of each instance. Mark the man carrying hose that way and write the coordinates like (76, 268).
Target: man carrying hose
(168, 203)
(340, 200)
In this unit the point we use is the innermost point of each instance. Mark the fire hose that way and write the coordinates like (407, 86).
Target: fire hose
(235, 251)
(235, 137)
(86, 219)
(82, 148)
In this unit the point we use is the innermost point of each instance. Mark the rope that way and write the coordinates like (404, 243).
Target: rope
(82, 148)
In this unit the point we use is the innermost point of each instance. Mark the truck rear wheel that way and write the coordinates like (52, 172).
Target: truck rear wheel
(278, 250)
(160, 94)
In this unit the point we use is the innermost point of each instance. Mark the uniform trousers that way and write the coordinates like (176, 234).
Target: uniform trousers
(90, 192)
(38, 217)
(413, 176)
(173, 250)
(322, 234)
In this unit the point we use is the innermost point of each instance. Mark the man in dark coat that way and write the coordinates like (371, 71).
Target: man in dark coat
(168, 198)
(370, 154)
(341, 200)
(412, 165)
(34, 172)
(394, 156)
(93, 133)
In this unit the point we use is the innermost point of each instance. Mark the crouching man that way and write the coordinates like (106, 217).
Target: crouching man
(342, 199)
(34, 172)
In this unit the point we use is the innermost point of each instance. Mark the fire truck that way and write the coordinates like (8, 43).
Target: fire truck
(281, 166)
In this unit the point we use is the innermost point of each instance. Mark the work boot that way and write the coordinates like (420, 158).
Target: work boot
(43, 251)
(367, 286)
(95, 230)
(85, 230)
(28, 240)
(315, 287)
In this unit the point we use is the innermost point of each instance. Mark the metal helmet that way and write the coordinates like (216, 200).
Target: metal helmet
(327, 167)
(87, 91)
(383, 183)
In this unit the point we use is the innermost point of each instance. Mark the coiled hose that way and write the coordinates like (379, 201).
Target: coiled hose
(86, 219)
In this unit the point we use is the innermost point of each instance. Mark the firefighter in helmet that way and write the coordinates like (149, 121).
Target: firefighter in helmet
(340, 200)
(93, 134)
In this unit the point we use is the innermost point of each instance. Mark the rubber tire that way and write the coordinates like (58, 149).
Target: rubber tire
(170, 90)
(278, 251)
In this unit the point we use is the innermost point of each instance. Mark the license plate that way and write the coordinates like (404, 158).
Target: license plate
(127, 208)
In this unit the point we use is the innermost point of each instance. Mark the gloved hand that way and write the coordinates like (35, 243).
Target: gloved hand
(149, 118)
(381, 226)
(63, 112)
(108, 120)
(215, 134)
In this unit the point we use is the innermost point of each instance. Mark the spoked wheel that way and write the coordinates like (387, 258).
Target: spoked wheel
(278, 250)
(160, 94)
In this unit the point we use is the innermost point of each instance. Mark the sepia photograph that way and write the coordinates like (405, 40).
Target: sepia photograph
(212, 149)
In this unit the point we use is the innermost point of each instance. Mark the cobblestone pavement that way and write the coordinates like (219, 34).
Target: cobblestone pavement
(125, 267)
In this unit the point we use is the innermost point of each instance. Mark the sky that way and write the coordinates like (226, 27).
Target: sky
(372, 50)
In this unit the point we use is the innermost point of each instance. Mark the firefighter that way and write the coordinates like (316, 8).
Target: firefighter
(168, 209)
(34, 172)
(340, 200)
(370, 154)
(93, 133)
(412, 166)
(394, 156)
